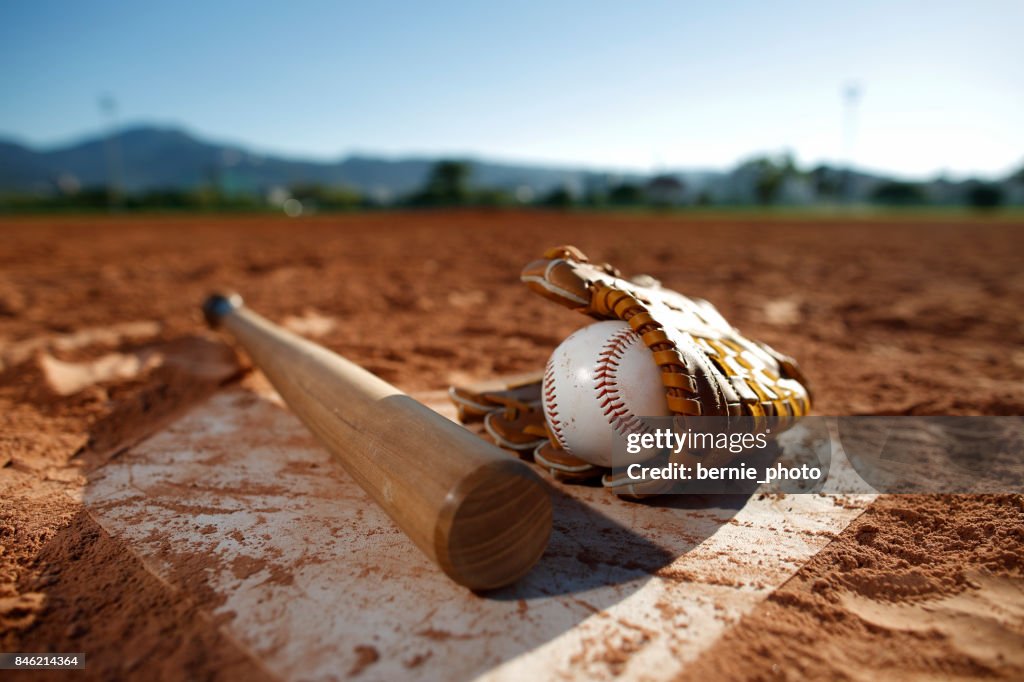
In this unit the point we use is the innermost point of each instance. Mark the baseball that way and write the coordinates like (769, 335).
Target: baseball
(597, 384)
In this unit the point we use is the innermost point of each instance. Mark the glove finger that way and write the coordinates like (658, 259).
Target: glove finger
(470, 406)
(624, 486)
(474, 401)
(564, 467)
(510, 430)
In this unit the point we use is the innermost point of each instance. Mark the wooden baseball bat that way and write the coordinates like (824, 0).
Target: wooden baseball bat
(481, 515)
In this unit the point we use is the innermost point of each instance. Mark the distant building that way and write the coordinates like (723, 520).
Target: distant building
(944, 191)
(1014, 193)
(797, 190)
(667, 190)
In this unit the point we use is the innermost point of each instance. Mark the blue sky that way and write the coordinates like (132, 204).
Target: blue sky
(619, 85)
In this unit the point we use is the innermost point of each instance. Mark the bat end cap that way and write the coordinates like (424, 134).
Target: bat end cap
(218, 306)
(495, 526)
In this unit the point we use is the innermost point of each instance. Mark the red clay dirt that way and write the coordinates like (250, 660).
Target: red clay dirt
(101, 344)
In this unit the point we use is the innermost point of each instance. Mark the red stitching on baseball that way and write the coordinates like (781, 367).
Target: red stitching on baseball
(550, 405)
(606, 377)
(606, 382)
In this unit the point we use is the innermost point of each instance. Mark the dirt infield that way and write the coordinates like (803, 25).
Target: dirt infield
(101, 345)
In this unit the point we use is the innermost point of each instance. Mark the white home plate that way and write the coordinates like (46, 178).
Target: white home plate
(238, 505)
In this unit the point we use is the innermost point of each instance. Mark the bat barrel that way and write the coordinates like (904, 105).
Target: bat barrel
(483, 516)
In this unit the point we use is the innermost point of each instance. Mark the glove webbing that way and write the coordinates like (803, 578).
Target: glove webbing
(680, 386)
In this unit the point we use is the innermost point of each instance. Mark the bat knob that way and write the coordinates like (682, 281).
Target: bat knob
(218, 306)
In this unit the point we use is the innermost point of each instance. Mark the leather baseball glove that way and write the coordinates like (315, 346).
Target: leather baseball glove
(707, 367)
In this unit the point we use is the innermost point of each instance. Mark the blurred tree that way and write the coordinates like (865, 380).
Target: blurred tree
(447, 185)
(89, 197)
(595, 198)
(772, 173)
(493, 197)
(209, 197)
(162, 199)
(767, 174)
(324, 197)
(895, 193)
(626, 194)
(560, 197)
(985, 195)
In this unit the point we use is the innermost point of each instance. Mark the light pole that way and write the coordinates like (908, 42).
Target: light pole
(108, 108)
(851, 100)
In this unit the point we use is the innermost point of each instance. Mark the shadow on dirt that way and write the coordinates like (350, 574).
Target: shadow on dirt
(602, 542)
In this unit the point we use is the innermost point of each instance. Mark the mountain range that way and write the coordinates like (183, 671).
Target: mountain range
(144, 158)
(149, 158)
